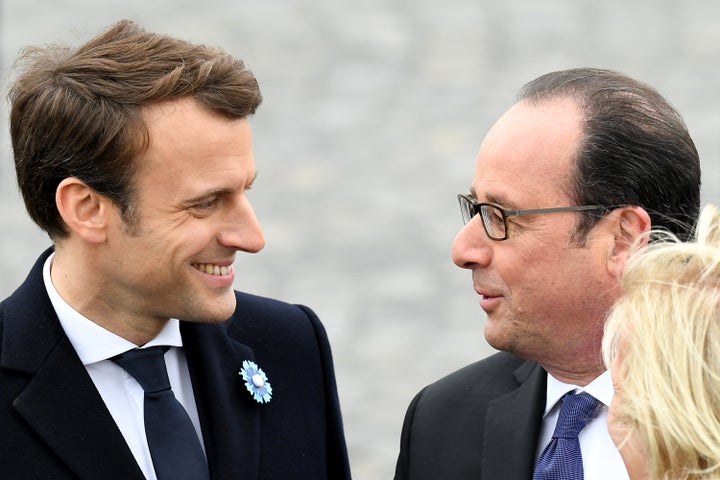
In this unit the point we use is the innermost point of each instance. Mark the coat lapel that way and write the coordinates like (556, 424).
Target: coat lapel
(513, 426)
(63, 406)
(229, 417)
(60, 402)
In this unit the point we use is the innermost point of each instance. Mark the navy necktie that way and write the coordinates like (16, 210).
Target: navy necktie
(561, 459)
(174, 445)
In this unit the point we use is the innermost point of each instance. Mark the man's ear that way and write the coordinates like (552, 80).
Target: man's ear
(630, 231)
(83, 209)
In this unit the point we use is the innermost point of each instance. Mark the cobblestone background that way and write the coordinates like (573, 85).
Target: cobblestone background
(372, 116)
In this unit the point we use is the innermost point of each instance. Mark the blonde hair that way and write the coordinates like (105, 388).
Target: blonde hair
(669, 321)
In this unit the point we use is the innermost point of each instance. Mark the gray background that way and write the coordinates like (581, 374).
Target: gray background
(372, 117)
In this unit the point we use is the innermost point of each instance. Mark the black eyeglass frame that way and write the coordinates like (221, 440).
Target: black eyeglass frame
(469, 207)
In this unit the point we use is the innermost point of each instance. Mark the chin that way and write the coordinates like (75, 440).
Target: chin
(216, 310)
(222, 314)
(495, 336)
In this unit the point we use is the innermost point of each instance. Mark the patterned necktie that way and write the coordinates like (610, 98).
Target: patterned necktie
(173, 442)
(562, 459)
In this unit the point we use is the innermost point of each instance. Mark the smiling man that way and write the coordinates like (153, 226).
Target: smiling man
(566, 182)
(126, 353)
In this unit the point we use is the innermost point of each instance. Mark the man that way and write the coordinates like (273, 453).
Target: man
(134, 153)
(567, 181)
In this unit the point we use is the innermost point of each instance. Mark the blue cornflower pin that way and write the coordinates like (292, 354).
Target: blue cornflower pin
(256, 382)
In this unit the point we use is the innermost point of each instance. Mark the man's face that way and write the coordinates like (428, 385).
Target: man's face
(545, 295)
(193, 215)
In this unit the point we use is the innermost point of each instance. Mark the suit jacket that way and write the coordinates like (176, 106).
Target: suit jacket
(479, 423)
(54, 424)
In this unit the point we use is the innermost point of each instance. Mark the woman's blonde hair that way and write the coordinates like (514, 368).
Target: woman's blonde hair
(669, 321)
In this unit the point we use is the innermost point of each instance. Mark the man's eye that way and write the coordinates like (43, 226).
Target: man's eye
(207, 204)
(495, 217)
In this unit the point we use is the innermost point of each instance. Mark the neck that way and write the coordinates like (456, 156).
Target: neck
(580, 378)
(87, 296)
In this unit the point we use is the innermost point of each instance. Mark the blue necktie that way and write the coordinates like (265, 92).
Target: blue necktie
(561, 459)
(174, 445)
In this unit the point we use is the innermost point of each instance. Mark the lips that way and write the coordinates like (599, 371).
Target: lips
(488, 304)
(489, 300)
(486, 294)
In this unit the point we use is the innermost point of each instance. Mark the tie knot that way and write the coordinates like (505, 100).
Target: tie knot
(576, 411)
(147, 366)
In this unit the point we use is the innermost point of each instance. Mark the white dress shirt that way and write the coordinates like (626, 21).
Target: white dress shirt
(601, 459)
(121, 393)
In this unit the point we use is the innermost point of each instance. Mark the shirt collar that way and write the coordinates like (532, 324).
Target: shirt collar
(92, 342)
(600, 388)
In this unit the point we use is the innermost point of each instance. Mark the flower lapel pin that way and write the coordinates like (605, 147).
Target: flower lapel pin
(256, 382)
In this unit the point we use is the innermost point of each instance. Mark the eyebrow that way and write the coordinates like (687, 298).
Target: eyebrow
(498, 200)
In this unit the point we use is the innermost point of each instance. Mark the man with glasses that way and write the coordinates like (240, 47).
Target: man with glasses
(567, 181)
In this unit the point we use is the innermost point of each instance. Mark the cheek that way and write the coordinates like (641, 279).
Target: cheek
(544, 274)
(184, 234)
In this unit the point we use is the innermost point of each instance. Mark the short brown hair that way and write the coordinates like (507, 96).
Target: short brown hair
(77, 112)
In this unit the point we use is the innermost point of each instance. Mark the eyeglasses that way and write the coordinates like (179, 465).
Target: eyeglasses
(494, 218)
